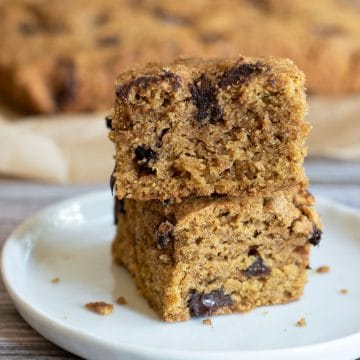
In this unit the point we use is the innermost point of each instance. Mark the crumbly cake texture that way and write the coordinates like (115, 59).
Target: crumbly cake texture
(51, 63)
(217, 255)
(198, 127)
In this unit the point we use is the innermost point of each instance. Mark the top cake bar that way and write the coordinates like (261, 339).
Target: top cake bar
(203, 127)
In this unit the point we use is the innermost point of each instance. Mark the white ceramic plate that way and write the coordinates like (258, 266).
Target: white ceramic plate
(71, 241)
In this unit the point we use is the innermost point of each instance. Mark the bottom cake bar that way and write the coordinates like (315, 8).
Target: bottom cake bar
(217, 255)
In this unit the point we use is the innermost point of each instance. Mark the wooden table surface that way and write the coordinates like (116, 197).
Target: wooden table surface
(19, 199)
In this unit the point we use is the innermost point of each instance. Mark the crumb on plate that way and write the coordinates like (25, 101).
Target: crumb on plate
(301, 322)
(121, 300)
(55, 280)
(100, 307)
(344, 291)
(323, 269)
(207, 322)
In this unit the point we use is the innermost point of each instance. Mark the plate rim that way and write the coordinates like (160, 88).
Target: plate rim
(27, 310)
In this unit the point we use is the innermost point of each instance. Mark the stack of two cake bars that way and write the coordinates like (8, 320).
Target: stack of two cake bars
(211, 203)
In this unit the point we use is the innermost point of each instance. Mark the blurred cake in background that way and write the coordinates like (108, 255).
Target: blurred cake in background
(63, 55)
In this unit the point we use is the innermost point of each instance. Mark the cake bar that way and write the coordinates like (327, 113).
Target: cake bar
(217, 255)
(203, 127)
(51, 63)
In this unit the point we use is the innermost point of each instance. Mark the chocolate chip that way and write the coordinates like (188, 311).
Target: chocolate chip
(237, 75)
(203, 94)
(118, 209)
(37, 25)
(66, 83)
(253, 251)
(315, 237)
(108, 120)
(28, 29)
(159, 141)
(328, 30)
(112, 181)
(171, 19)
(174, 78)
(205, 304)
(216, 195)
(144, 159)
(55, 28)
(166, 202)
(257, 268)
(120, 206)
(263, 5)
(107, 41)
(211, 38)
(122, 91)
(101, 19)
(224, 213)
(165, 233)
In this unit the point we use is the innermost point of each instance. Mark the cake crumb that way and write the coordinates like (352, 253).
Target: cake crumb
(301, 322)
(100, 307)
(164, 258)
(344, 291)
(265, 312)
(121, 300)
(207, 322)
(323, 269)
(55, 280)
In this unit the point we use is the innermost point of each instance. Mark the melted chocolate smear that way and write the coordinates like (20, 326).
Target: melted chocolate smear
(144, 159)
(315, 237)
(203, 94)
(205, 304)
(238, 75)
(257, 268)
